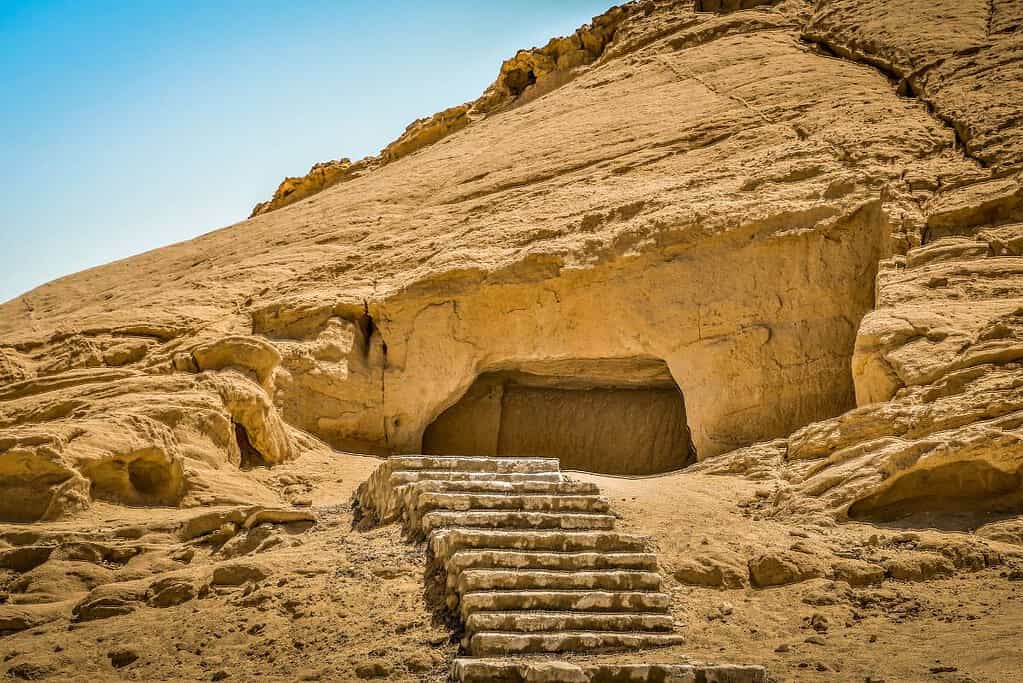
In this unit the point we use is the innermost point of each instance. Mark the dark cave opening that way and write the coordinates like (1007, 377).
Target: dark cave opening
(611, 417)
(251, 457)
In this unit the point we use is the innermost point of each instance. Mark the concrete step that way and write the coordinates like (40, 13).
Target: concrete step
(403, 477)
(506, 519)
(565, 487)
(431, 500)
(466, 670)
(563, 600)
(534, 622)
(473, 464)
(490, 643)
(446, 542)
(514, 579)
(519, 559)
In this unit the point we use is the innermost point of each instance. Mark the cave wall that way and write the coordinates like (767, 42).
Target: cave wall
(757, 332)
(596, 426)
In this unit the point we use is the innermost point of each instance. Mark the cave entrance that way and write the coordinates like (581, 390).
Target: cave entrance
(611, 416)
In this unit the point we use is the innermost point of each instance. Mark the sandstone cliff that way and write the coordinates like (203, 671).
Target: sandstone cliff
(692, 195)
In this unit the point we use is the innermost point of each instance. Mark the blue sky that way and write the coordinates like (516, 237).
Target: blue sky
(125, 126)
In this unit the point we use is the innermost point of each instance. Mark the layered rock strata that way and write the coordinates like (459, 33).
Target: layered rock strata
(809, 263)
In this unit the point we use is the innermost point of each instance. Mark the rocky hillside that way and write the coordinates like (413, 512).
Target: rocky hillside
(794, 229)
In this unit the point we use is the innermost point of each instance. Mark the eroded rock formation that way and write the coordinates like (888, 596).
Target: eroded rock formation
(729, 228)
(782, 238)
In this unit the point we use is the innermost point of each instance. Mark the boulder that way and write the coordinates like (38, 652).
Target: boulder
(857, 572)
(238, 573)
(779, 567)
(715, 570)
(919, 567)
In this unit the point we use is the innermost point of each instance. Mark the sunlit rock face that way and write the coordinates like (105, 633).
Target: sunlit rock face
(678, 232)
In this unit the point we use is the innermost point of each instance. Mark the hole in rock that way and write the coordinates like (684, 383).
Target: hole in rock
(144, 477)
(518, 80)
(612, 416)
(251, 457)
(148, 478)
(958, 495)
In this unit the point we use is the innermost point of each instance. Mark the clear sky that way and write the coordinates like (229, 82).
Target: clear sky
(125, 126)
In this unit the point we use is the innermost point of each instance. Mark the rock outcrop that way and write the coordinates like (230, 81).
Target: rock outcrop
(833, 268)
(778, 245)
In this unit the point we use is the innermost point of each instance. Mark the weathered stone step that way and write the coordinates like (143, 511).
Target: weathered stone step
(473, 464)
(506, 519)
(563, 600)
(533, 622)
(513, 579)
(465, 670)
(523, 559)
(427, 501)
(554, 488)
(403, 477)
(502, 643)
(446, 542)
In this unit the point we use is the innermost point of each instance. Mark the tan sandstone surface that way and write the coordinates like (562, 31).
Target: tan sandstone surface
(782, 241)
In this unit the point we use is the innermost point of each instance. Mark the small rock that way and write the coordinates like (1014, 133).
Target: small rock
(919, 567)
(374, 668)
(171, 591)
(857, 573)
(28, 671)
(779, 567)
(819, 623)
(784, 647)
(218, 675)
(237, 573)
(121, 658)
(419, 663)
(943, 669)
(815, 640)
(714, 569)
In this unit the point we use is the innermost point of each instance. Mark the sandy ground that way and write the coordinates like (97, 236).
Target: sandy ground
(339, 603)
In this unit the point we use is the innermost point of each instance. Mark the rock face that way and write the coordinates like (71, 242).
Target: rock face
(778, 244)
(695, 228)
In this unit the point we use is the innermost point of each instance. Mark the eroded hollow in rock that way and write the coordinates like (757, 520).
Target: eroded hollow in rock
(144, 477)
(973, 487)
(251, 457)
(612, 416)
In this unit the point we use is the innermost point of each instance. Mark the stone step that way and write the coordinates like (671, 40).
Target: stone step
(563, 600)
(431, 500)
(403, 477)
(473, 464)
(533, 622)
(446, 542)
(466, 670)
(513, 579)
(520, 559)
(565, 487)
(503, 643)
(505, 519)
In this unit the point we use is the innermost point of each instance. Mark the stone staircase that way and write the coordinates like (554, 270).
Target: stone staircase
(529, 564)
